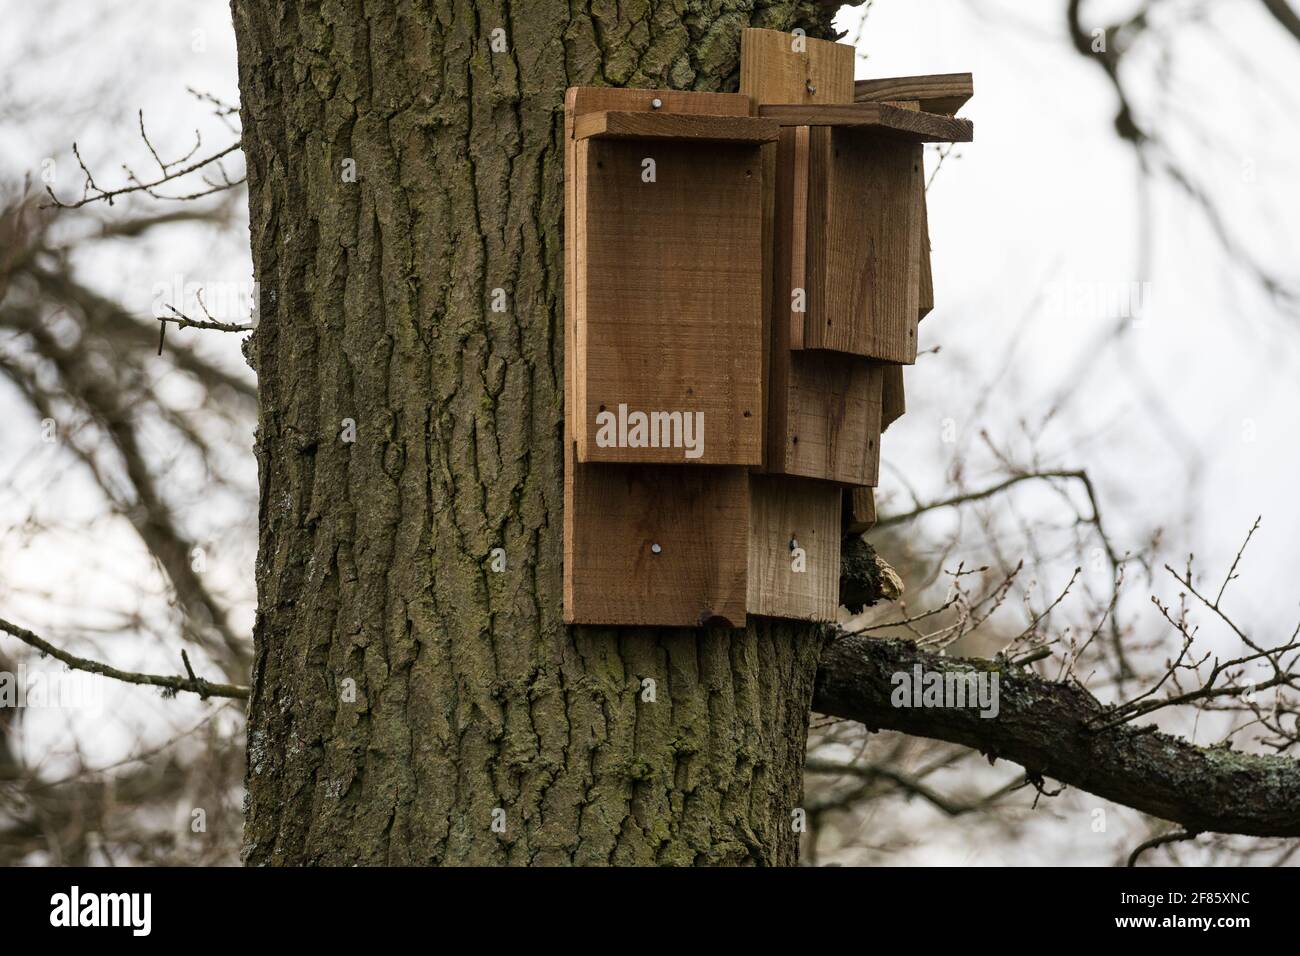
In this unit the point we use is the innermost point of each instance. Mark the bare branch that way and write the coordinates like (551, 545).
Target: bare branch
(1046, 728)
(191, 684)
(1176, 836)
(95, 193)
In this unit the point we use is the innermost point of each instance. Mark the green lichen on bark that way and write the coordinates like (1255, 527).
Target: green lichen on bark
(402, 690)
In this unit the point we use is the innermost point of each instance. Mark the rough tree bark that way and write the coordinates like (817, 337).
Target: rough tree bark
(374, 568)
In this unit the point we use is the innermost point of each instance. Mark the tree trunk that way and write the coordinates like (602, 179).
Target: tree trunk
(411, 704)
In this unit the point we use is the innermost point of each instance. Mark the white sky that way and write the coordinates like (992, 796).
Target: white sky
(1045, 200)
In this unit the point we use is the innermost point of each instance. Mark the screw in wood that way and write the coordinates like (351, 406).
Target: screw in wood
(812, 87)
(656, 103)
(655, 549)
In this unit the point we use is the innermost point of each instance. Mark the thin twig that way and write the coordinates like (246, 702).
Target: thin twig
(183, 321)
(192, 684)
(109, 195)
(1176, 837)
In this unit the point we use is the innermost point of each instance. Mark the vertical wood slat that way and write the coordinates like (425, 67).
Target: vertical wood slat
(860, 504)
(893, 403)
(785, 514)
(669, 284)
(823, 409)
(614, 514)
(863, 245)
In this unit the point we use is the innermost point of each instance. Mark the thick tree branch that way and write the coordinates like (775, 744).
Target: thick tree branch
(1047, 728)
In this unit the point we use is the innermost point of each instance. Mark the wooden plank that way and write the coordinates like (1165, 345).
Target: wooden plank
(777, 67)
(860, 510)
(788, 514)
(798, 233)
(885, 118)
(823, 410)
(602, 503)
(925, 299)
(811, 396)
(697, 518)
(628, 124)
(925, 304)
(669, 299)
(863, 245)
(833, 419)
(582, 100)
(937, 93)
(892, 401)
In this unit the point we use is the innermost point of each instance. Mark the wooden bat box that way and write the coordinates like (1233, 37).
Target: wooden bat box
(663, 354)
(669, 282)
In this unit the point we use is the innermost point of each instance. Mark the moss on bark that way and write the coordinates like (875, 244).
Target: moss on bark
(410, 704)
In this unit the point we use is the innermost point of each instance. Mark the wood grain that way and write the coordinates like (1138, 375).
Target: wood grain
(698, 518)
(669, 294)
(925, 300)
(798, 234)
(925, 303)
(893, 404)
(786, 513)
(629, 124)
(884, 118)
(608, 512)
(863, 245)
(936, 93)
(860, 505)
(823, 409)
(773, 68)
(833, 422)
(820, 406)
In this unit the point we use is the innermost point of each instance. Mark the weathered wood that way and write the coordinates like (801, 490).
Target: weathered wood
(893, 405)
(864, 240)
(582, 100)
(614, 514)
(777, 67)
(925, 302)
(794, 548)
(775, 70)
(833, 424)
(883, 118)
(696, 518)
(667, 310)
(628, 124)
(859, 510)
(823, 411)
(937, 93)
(792, 239)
